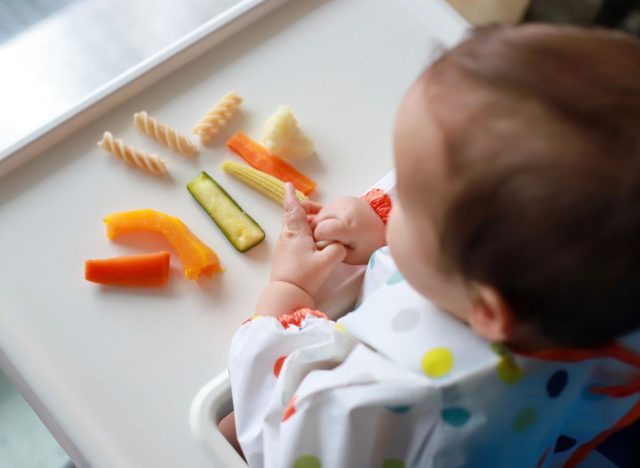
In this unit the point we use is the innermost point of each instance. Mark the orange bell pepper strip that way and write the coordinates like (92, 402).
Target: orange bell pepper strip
(196, 257)
(134, 270)
(258, 156)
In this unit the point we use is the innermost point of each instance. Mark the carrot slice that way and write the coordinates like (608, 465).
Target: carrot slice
(258, 156)
(134, 270)
(196, 257)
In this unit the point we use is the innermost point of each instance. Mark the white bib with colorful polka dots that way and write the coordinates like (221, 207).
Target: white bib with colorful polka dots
(399, 383)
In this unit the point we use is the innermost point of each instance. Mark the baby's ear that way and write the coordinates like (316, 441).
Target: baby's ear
(490, 315)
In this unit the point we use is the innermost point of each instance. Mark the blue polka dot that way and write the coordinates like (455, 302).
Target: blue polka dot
(557, 382)
(564, 443)
(455, 416)
(588, 395)
(398, 409)
(372, 260)
(395, 278)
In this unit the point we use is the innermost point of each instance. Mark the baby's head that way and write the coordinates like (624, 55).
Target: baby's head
(518, 168)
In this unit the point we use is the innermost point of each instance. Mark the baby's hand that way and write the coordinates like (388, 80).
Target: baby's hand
(297, 260)
(352, 222)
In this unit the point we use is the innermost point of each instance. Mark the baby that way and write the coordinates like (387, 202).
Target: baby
(498, 320)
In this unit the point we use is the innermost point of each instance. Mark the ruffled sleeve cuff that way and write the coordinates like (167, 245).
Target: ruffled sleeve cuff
(294, 318)
(380, 202)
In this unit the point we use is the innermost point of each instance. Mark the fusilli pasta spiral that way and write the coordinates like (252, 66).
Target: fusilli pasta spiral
(138, 158)
(164, 134)
(217, 117)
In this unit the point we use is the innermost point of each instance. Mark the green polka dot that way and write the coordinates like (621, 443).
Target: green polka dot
(395, 278)
(372, 260)
(398, 409)
(307, 461)
(437, 362)
(509, 371)
(500, 349)
(393, 463)
(455, 416)
(524, 419)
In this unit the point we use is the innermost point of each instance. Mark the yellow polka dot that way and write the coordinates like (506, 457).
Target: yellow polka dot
(437, 362)
(509, 370)
(256, 317)
(340, 328)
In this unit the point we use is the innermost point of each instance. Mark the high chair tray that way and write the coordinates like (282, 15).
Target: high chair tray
(111, 371)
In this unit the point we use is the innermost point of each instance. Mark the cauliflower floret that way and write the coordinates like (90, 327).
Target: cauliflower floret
(283, 137)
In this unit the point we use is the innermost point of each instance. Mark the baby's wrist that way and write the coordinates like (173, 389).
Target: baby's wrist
(283, 297)
(297, 291)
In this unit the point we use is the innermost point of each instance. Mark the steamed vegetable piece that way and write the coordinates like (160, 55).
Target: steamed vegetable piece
(258, 156)
(261, 181)
(282, 135)
(196, 257)
(134, 270)
(241, 230)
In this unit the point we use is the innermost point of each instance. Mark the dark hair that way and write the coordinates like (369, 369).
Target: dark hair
(545, 199)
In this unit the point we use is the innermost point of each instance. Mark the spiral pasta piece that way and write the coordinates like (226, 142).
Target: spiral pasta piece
(164, 134)
(217, 118)
(133, 157)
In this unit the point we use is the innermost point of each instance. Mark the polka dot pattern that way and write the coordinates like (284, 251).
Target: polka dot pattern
(393, 463)
(455, 416)
(508, 368)
(395, 278)
(398, 409)
(509, 371)
(290, 410)
(340, 328)
(437, 362)
(404, 320)
(557, 382)
(277, 367)
(307, 461)
(500, 349)
(525, 418)
(564, 443)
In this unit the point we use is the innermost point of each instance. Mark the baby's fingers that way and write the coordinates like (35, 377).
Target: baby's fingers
(332, 230)
(311, 207)
(333, 254)
(295, 217)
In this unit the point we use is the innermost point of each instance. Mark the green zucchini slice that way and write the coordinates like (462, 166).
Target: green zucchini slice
(241, 230)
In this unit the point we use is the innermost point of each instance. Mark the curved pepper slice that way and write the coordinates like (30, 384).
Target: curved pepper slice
(196, 257)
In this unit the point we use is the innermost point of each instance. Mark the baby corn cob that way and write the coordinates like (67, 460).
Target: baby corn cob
(262, 182)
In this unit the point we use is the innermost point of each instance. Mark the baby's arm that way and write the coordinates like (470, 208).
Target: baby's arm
(353, 222)
(298, 270)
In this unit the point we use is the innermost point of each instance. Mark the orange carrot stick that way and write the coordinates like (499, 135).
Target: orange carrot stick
(258, 156)
(135, 270)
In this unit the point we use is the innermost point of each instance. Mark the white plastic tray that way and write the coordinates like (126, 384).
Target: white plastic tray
(113, 372)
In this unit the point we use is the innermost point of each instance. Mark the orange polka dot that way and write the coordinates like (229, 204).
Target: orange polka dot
(290, 409)
(277, 367)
